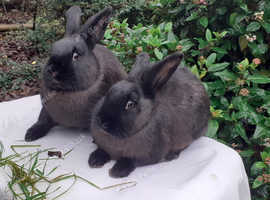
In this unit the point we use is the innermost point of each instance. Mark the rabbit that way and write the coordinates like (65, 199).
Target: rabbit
(78, 73)
(149, 117)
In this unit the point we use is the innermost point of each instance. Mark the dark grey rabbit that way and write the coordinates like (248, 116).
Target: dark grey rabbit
(149, 117)
(78, 73)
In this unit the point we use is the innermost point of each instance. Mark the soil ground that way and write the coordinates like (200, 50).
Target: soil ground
(17, 58)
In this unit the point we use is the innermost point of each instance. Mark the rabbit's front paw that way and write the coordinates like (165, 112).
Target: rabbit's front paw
(98, 158)
(37, 131)
(122, 168)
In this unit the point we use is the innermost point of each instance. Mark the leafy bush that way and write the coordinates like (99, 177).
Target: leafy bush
(158, 41)
(226, 46)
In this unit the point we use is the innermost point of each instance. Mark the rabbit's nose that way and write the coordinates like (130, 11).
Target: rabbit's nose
(52, 71)
(105, 125)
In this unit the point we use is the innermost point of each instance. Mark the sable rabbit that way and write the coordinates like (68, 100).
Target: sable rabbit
(78, 73)
(151, 116)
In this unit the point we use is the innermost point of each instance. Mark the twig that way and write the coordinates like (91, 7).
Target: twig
(10, 27)
(35, 15)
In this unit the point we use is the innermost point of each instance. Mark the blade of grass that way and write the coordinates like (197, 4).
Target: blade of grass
(107, 187)
(68, 152)
(58, 196)
(52, 171)
(44, 167)
(23, 146)
(24, 190)
(34, 165)
(38, 196)
(1, 149)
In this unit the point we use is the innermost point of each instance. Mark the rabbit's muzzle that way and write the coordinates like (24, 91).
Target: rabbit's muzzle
(110, 127)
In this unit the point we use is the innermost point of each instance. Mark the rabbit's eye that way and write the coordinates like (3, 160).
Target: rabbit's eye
(130, 105)
(75, 56)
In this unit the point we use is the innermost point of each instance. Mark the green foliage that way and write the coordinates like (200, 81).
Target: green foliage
(17, 74)
(158, 41)
(43, 35)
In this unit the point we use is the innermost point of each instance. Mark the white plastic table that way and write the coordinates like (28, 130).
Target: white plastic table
(206, 170)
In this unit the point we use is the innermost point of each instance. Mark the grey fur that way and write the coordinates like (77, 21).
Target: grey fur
(172, 110)
(73, 16)
(78, 73)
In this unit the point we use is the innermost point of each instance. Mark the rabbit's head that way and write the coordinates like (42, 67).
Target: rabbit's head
(72, 64)
(129, 104)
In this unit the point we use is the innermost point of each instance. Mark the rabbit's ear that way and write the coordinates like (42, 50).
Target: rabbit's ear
(142, 61)
(73, 18)
(94, 28)
(158, 74)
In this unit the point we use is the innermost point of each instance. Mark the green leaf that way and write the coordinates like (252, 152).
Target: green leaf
(218, 67)
(241, 131)
(218, 84)
(153, 41)
(107, 34)
(244, 63)
(140, 2)
(193, 16)
(204, 22)
(212, 129)
(211, 59)
(264, 155)
(258, 78)
(203, 73)
(219, 50)
(165, 2)
(232, 19)
(202, 43)
(243, 43)
(253, 26)
(222, 10)
(208, 35)
(258, 182)
(171, 37)
(158, 54)
(260, 131)
(223, 34)
(226, 75)
(267, 122)
(244, 7)
(224, 101)
(186, 44)
(257, 168)
(258, 49)
(195, 71)
(266, 27)
(168, 27)
(247, 153)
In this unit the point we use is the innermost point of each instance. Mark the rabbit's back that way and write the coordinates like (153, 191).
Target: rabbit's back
(110, 66)
(184, 108)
